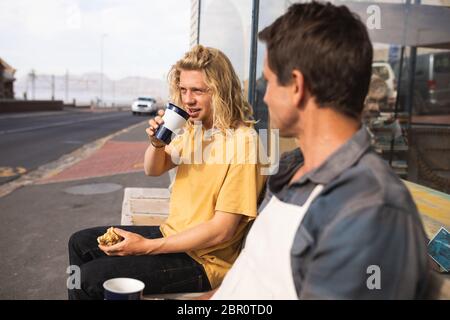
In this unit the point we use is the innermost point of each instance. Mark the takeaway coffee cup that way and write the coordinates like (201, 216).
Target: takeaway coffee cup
(123, 289)
(174, 120)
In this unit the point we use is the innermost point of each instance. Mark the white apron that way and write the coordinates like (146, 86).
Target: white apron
(263, 269)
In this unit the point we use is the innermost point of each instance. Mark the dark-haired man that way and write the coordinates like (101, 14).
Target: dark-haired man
(336, 222)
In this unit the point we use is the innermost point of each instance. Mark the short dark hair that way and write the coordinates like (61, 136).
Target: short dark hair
(330, 46)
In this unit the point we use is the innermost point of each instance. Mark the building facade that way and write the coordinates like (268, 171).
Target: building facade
(6, 80)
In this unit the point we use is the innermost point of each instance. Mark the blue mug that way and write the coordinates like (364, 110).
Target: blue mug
(174, 120)
(123, 289)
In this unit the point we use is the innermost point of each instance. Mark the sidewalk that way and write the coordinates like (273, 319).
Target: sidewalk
(37, 220)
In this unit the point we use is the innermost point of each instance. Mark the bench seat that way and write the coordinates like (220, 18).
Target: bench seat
(150, 206)
(145, 206)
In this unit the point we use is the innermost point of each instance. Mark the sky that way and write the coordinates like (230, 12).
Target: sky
(139, 37)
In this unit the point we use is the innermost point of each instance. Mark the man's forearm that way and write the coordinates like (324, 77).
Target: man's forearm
(154, 161)
(202, 236)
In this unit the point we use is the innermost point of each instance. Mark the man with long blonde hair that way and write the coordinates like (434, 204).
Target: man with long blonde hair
(222, 85)
(211, 204)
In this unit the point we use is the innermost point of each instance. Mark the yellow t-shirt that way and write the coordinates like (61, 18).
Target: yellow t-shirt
(208, 179)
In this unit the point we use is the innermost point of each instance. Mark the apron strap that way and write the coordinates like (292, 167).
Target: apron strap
(314, 194)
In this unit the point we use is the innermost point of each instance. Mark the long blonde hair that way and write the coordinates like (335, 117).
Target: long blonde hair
(230, 108)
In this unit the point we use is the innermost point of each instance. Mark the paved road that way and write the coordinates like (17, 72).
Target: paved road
(37, 221)
(30, 140)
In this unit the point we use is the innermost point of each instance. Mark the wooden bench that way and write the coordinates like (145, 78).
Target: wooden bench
(433, 205)
(145, 206)
(434, 208)
(150, 206)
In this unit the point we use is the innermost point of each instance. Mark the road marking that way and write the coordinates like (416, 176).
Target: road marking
(11, 171)
(72, 141)
(58, 124)
(31, 114)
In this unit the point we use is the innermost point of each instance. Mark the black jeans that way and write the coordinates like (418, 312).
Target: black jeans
(162, 273)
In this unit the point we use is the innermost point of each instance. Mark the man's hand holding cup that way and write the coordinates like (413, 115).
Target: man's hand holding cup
(166, 125)
(153, 127)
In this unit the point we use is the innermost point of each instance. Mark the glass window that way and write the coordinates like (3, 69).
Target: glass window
(269, 10)
(408, 103)
(442, 63)
(226, 25)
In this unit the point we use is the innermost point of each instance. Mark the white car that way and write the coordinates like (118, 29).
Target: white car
(144, 105)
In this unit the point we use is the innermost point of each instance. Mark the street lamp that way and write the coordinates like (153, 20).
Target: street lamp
(104, 35)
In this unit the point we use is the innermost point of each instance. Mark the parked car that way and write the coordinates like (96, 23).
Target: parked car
(144, 105)
(384, 71)
(431, 83)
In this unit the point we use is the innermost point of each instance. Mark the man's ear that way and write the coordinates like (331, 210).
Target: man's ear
(298, 87)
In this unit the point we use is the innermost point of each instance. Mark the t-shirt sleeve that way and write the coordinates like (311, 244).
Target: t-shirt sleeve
(373, 253)
(240, 190)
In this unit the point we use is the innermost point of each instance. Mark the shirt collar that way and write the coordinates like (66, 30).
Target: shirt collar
(343, 158)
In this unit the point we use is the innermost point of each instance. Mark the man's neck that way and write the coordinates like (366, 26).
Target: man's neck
(207, 124)
(322, 132)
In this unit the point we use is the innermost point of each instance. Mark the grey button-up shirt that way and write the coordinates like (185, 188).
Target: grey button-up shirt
(362, 237)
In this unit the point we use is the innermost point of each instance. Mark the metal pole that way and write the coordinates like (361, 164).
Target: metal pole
(33, 78)
(412, 75)
(67, 85)
(114, 93)
(53, 87)
(101, 68)
(253, 53)
(399, 84)
(397, 101)
(198, 23)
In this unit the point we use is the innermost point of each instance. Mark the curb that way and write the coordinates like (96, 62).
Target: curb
(53, 168)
